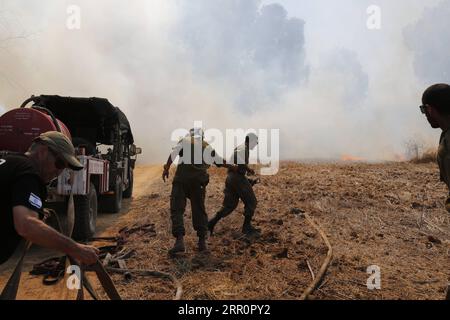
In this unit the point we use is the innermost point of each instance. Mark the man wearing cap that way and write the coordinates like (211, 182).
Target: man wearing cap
(190, 181)
(23, 180)
(436, 107)
(237, 186)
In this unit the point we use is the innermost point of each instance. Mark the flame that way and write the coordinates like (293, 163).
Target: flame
(399, 158)
(350, 158)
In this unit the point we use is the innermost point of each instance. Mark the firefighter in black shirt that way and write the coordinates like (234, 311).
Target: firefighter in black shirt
(23, 180)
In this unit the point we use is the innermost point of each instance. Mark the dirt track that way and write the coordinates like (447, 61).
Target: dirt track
(390, 215)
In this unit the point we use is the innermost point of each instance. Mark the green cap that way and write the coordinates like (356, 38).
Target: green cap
(62, 145)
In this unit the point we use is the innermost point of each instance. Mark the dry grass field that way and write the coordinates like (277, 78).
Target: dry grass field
(390, 215)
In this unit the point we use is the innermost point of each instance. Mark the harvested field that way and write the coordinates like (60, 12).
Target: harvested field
(390, 215)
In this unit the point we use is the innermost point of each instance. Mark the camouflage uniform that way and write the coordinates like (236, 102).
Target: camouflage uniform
(444, 162)
(237, 186)
(190, 182)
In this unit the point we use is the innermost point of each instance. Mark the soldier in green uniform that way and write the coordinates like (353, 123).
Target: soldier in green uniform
(436, 107)
(237, 186)
(190, 181)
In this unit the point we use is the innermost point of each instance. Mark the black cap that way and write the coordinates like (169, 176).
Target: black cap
(438, 96)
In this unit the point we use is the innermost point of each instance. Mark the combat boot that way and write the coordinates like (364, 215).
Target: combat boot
(178, 246)
(248, 229)
(202, 246)
(212, 224)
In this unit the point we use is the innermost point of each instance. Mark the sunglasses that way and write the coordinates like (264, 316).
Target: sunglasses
(60, 164)
(423, 108)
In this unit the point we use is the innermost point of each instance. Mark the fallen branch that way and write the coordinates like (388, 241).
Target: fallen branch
(325, 264)
(337, 294)
(423, 282)
(311, 270)
(152, 273)
(429, 223)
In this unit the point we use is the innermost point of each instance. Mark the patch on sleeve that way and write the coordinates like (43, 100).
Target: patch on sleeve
(35, 201)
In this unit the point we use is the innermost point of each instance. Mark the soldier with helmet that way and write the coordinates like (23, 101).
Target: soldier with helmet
(190, 182)
(238, 186)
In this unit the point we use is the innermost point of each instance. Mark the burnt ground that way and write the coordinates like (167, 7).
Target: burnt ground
(390, 215)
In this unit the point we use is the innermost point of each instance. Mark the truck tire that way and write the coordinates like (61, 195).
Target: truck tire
(113, 203)
(86, 208)
(128, 193)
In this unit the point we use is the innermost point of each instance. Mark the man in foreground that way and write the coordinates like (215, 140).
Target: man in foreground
(23, 180)
(436, 107)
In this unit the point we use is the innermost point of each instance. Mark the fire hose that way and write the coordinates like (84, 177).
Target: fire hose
(113, 259)
(10, 290)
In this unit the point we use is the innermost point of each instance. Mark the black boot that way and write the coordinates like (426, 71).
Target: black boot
(212, 223)
(178, 246)
(248, 229)
(202, 246)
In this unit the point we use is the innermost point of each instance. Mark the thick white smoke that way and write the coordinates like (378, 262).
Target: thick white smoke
(310, 68)
(430, 44)
(256, 52)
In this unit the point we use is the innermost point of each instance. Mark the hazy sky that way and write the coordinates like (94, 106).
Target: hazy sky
(310, 68)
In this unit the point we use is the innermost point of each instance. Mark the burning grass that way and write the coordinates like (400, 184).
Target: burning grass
(428, 156)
